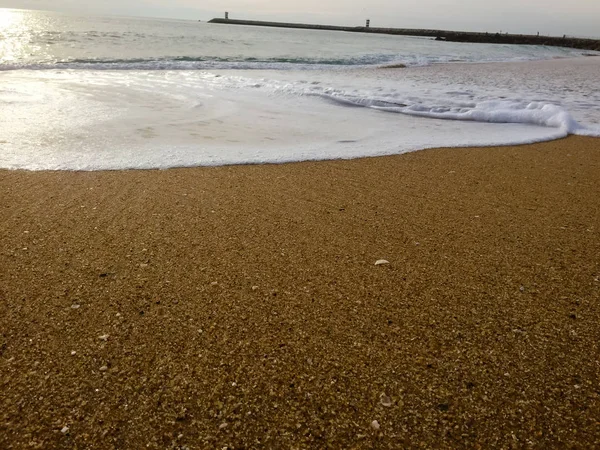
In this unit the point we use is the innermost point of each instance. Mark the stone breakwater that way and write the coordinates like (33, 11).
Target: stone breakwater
(442, 35)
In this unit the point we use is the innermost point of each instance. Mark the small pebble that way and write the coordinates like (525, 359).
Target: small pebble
(73, 353)
(375, 425)
(104, 337)
(254, 288)
(214, 283)
(223, 425)
(64, 430)
(103, 368)
(75, 306)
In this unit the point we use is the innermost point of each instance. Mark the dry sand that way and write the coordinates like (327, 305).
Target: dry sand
(240, 307)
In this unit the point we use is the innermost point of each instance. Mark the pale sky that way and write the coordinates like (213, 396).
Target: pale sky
(556, 17)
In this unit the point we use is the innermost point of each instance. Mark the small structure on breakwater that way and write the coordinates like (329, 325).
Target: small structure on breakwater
(441, 35)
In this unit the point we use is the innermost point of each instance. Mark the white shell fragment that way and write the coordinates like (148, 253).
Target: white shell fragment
(381, 262)
(375, 425)
(385, 400)
(104, 337)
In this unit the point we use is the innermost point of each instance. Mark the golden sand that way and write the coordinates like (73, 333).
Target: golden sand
(241, 307)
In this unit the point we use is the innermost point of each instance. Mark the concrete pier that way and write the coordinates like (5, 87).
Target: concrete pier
(442, 35)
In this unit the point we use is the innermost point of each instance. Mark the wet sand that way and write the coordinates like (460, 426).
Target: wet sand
(241, 307)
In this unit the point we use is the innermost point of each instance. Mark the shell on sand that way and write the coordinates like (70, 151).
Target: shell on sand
(385, 400)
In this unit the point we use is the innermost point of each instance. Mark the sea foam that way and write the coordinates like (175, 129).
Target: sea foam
(534, 113)
(102, 120)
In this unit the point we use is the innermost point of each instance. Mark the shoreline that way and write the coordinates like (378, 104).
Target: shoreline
(293, 162)
(241, 305)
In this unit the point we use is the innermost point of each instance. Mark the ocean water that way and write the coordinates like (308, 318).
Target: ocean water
(94, 93)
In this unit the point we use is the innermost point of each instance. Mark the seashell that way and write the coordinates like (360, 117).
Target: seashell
(385, 400)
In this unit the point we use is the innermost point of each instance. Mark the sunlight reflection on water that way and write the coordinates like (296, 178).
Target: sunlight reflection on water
(16, 35)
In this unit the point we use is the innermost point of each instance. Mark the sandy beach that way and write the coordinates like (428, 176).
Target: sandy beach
(241, 307)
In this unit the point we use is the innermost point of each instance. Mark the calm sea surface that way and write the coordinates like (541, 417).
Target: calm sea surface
(42, 39)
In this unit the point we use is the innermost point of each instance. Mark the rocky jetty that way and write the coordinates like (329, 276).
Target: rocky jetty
(441, 35)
